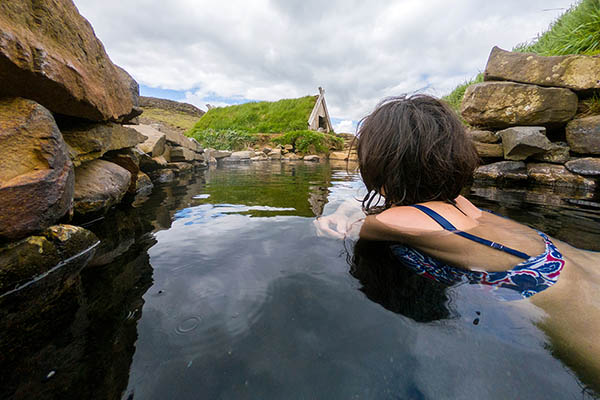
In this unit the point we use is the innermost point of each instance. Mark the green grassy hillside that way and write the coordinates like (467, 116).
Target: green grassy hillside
(577, 31)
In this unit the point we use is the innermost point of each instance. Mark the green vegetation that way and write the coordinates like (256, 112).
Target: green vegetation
(261, 117)
(281, 122)
(310, 141)
(590, 106)
(577, 31)
(176, 119)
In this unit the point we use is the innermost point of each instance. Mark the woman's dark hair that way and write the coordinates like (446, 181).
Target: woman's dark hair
(413, 149)
(386, 281)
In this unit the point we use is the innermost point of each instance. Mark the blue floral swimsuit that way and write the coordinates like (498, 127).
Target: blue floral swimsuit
(527, 278)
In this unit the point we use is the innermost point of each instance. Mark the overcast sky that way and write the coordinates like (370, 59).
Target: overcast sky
(227, 52)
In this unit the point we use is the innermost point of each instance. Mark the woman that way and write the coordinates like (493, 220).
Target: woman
(414, 159)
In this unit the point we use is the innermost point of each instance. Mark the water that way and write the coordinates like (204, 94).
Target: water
(218, 288)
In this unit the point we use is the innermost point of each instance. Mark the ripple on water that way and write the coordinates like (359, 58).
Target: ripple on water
(188, 325)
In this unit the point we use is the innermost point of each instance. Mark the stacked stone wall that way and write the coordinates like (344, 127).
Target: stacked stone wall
(526, 122)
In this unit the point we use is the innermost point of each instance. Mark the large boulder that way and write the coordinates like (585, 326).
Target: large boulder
(134, 92)
(88, 141)
(502, 171)
(99, 185)
(128, 159)
(583, 135)
(177, 154)
(557, 175)
(36, 174)
(49, 53)
(503, 104)
(588, 166)
(577, 72)
(521, 142)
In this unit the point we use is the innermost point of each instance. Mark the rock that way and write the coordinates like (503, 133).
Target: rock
(523, 141)
(557, 175)
(559, 153)
(242, 155)
(482, 136)
(577, 72)
(313, 158)
(502, 171)
(181, 167)
(588, 166)
(153, 102)
(267, 150)
(24, 260)
(154, 145)
(180, 154)
(134, 91)
(88, 141)
(130, 160)
(258, 158)
(275, 154)
(292, 157)
(212, 161)
(99, 185)
(217, 154)
(343, 155)
(36, 174)
(162, 175)
(504, 104)
(489, 150)
(149, 164)
(49, 53)
(583, 135)
(143, 184)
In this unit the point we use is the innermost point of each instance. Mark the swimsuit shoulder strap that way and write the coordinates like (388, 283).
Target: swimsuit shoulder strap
(444, 223)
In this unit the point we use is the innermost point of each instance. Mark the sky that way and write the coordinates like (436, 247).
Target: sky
(230, 52)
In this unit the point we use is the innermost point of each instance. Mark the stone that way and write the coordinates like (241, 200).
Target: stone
(583, 135)
(162, 175)
(143, 184)
(559, 153)
(217, 154)
(241, 155)
(343, 155)
(26, 259)
(212, 161)
(489, 150)
(502, 171)
(275, 154)
(503, 104)
(36, 174)
(267, 150)
(258, 158)
(49, 53)
(557, 175)
(130, 160)
(154, 145)
(181, 167)
(177, 154)
(482, 136)
(99, 185)
(313, 158)
(134, 91)
(292, 157)
(149, 164)
(521, 142)
(588, 166)
(577, 72)
(88, 141)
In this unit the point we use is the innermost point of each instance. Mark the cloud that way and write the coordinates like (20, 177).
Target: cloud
(359, 51)
(345, 126)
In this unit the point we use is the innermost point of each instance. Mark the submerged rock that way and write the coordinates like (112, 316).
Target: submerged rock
(49, 53)
(24, 260)
(588, 166)
(557, 175)
(36, 174)
(90, 141)
(577, 72)
(162, 175)
(99, 185)
(504, 104)
(523, 141)
(583, 135)
(502, 171)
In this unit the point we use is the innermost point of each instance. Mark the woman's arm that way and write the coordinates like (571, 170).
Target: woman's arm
(345, 222)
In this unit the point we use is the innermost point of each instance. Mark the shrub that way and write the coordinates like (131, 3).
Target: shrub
(227, 139)
(306, 141)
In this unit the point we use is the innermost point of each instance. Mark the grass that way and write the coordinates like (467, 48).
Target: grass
(590, 106)
(306, 141)
(176, 119)
(259, 117)
(577, 31)
(281, 122)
